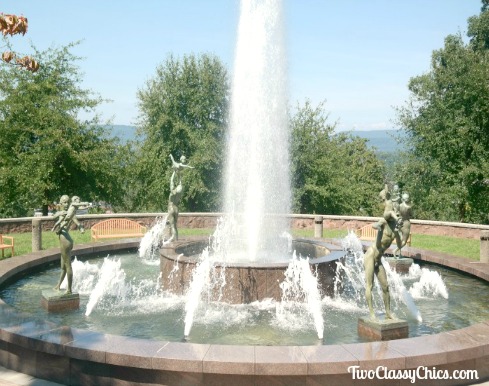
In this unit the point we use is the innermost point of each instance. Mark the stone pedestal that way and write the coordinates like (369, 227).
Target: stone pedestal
(36, 234)
(484, 247)
(387, 329)
(318, 226)
(400, 265)
(56, 301)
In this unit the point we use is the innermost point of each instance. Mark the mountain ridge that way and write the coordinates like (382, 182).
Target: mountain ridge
(379, 140)
(383, 140)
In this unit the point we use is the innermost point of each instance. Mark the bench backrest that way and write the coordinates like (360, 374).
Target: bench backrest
(367, 232)
(117, 225)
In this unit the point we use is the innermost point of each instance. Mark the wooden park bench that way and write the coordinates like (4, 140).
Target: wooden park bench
(368, 233)
(6, 242)
(117, 228)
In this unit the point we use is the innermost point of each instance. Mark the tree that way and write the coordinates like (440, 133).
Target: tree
(46, 149)
(331, 173)
(447, 121)
(183, 111)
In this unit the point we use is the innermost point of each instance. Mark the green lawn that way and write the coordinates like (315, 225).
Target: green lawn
(468, 248)
(23, 241)
(327, 233)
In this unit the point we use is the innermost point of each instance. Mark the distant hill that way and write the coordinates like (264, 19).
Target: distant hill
(382, 140)
(123, 132)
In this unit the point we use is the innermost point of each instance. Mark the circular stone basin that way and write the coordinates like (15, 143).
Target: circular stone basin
(246, 282)
(68, 355)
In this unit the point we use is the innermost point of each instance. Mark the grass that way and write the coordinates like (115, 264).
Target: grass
(467, 248)
(327, 233)
(195, 231)
(23, 241)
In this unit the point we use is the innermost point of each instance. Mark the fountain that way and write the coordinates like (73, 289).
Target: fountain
(253, 263)
(251, 252)
(257, 189)
(130, 309)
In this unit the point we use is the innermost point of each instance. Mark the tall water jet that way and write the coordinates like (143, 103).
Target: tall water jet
(257, 192)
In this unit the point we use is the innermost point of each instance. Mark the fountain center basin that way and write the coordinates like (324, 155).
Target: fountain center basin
(246, 282)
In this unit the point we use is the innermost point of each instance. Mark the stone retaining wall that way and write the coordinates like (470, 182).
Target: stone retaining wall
(298, 221)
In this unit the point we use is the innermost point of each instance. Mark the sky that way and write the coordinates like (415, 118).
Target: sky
(355, 56)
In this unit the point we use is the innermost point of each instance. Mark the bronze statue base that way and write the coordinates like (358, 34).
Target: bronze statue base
(387, 329)
(56, 301)
(400, 265)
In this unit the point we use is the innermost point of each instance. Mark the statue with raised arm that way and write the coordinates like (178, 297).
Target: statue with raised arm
(64, 219)
(391, 208)
(179, 166)
(176, 191)
(387, 232)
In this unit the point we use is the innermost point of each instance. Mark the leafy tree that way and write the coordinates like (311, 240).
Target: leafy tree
(183, 111)
(331, 173)
(447, 121)
(46, 149)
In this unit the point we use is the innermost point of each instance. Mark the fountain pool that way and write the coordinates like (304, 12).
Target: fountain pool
(71, 355)
(124, 296)
(129, 329)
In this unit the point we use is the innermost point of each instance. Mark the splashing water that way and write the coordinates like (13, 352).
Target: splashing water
(152, 241)
(399, 292)
(110, 280)
(109, 290)
(207, 279)
(350, 274)
(300, 290)
(147, 311)
(200, 280)
(301, 298)
(430, 284)
(301, 304)
(84, 277)
(257, 189)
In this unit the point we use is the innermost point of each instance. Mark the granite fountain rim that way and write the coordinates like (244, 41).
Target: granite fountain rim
(173, 251)
(447, 349)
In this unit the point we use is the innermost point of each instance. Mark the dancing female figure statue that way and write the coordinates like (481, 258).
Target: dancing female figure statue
(387, 232)
(65, 217)
(176, 191)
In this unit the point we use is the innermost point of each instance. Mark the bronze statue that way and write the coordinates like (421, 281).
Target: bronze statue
(65, 217)
(405, 210)
(387, 231)
(176, 191)
(179, 166)
(391, 209)
(65, 220)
